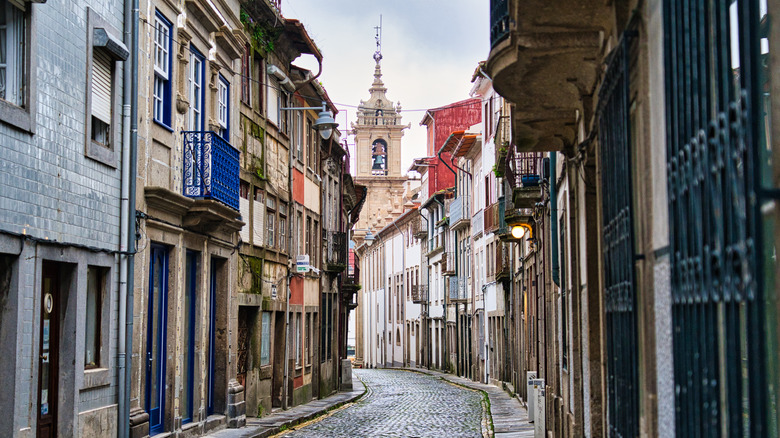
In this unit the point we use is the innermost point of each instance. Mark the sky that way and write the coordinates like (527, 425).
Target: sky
(430, 49)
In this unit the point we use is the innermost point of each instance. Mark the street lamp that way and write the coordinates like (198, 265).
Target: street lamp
(519, 230)
(325, 123)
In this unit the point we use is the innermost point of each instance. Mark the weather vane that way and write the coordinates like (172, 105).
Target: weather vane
(378, 53)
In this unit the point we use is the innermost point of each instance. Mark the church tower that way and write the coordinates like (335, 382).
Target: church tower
(378, 132)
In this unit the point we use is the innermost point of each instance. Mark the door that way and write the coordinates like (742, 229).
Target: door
(49, 349)
(212, 347)
(155, 339)
(278, 361)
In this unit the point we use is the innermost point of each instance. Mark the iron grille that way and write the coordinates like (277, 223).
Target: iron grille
(618, 247)
(210, 168)
(499, 21)
(711, 141)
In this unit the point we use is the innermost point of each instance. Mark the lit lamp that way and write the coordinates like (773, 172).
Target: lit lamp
(519, 230)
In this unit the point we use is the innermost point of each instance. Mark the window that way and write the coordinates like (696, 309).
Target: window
(265, 340)
(309, 332)
(12, 55)
(282, 233)
(269, 219)
(162, 70)
(308, 237)
(298, 136)
(310, 142)
(95, 286)
(102, 81)
(223, 107)
(297, 344)
(246, 76)
(299, 234)
(197, 73)
(315, 243)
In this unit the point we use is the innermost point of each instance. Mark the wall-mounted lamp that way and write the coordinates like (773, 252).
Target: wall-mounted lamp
(325, 123)
(369, 238)
(520, 230)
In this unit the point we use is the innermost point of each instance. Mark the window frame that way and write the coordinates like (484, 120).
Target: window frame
(99, 295)
(265, 339)
(196, 59)
(223, 107)
(163, 75)
(23, 116)
(246, 76)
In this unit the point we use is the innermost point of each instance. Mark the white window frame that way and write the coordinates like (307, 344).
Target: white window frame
(15, 29)
(162, 69)
(223, 107)
(196, 76)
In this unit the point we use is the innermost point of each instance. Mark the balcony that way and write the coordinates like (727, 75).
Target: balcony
(448, 263)
(523, 172)
(478, 224)
(419, 293)
(459, 213)
(350, 285)
(453, 288)
(336, 255)
(502, 261)
(210, 168)
(545, 57)
(491, 218)
(419, 228)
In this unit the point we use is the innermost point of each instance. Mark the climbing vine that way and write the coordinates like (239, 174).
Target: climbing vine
(263, 38)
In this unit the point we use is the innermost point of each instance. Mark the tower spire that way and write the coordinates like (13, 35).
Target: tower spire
(378, 53)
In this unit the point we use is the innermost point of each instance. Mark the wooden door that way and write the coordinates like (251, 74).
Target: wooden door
(48, 359)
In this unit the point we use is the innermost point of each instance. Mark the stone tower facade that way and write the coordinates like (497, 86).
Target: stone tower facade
(378, 133)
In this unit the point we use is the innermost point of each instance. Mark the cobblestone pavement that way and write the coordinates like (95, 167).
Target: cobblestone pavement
(403, 404)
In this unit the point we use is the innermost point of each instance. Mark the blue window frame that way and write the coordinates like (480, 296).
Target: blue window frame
(197, 91)
(223, 107)
(155, 338)
(190, 311)
(163, 62)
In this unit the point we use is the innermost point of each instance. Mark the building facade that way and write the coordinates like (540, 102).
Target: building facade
(656, 217)
(63, 245)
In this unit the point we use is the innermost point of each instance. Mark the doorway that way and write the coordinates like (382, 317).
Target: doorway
(279, 342)
(155, 338)
(48, 360)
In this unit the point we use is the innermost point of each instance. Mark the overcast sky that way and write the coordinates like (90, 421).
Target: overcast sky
(430, 49)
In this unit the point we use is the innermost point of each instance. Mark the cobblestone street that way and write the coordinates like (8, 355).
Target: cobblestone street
(403, 404)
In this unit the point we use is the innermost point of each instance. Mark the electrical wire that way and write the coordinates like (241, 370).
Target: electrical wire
(316, 99)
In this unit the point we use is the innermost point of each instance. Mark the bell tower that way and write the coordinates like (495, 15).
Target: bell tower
(378, 132)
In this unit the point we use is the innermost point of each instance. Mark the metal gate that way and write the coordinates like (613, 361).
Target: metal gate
(711, 50)
(618, 244)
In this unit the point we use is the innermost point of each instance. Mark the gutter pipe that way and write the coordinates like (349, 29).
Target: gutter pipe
(554, 217)
(127, 222)
(427, 293)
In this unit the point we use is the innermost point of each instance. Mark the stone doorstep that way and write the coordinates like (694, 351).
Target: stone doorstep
(273, 423)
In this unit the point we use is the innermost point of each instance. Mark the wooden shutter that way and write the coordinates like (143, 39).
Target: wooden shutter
(101, 85)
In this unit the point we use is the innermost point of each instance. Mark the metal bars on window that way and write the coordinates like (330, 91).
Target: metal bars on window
(618, 245)
(711, 51)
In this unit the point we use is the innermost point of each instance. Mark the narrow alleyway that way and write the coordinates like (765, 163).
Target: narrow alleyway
(404, 404)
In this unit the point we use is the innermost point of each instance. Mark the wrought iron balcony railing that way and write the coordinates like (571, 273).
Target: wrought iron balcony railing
(499, 21)
(453, 288)
(502, 260)
(419, 228)
(523, 169)
(419, 293)
(491, 218)
(336, 256)
(210, 168)
(448, 263)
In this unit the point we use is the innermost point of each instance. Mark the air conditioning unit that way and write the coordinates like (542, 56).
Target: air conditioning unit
(530, 395)
(539, 431)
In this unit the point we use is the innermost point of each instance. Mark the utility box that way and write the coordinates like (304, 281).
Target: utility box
(541, 411)
(530, 395)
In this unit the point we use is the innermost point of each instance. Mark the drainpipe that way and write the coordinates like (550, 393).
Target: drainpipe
(127, 220)
(293, 215)
(444, 305)
(554, 217)
(427, 295)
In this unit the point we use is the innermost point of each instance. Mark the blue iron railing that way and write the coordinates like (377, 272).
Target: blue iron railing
(210, 168)
(499, 21)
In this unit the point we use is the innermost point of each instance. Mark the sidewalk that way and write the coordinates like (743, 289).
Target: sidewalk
(274, 423)
(510, 419)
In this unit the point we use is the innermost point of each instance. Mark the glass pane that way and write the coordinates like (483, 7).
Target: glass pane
(155, 298)
(45, 354)
(265, 345)
(91, 332)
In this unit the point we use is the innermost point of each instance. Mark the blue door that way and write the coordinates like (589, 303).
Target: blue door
(155, 338)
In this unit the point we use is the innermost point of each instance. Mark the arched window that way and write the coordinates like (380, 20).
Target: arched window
(379, 157)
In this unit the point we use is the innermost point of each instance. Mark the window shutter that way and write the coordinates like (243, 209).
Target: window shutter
(101, 86)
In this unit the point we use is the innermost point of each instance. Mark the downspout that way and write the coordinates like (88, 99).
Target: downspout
(444, 308)
(426, 325)
(127, 221)
(554, 217)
